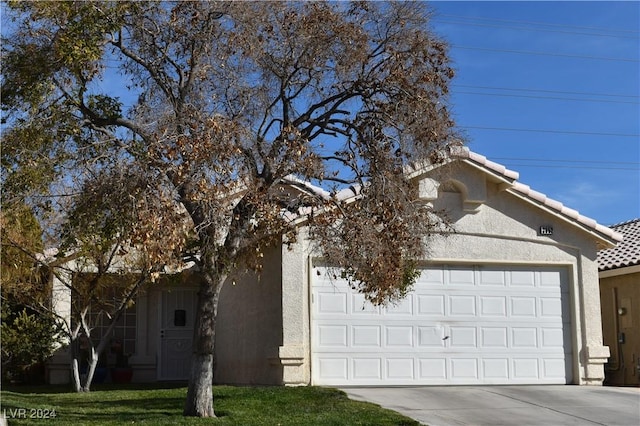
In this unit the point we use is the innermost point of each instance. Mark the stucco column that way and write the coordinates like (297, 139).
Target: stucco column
(58, 364)
(596, 354)
(294, 352)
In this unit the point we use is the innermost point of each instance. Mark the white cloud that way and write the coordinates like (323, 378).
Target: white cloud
(607, 204)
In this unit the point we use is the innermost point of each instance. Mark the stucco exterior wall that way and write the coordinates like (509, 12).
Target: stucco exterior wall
(263, 326)
(620, 295)
(58, 366)
(493, 226)
(249, 326)
(248, 329)
(294, 354)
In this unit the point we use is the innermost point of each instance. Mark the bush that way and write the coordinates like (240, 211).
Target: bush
(28, 340)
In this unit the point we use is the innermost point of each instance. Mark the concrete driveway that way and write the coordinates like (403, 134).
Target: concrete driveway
(508, 405)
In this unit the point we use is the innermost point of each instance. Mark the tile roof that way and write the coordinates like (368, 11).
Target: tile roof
(538, 197)
(509, 176)
(626, 253)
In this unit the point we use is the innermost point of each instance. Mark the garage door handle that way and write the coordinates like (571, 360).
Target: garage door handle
(445, 337)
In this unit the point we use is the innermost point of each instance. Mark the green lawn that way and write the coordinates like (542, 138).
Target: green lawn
(157, 405)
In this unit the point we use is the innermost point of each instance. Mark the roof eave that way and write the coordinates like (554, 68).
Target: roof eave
(620, 270)
(605, 237)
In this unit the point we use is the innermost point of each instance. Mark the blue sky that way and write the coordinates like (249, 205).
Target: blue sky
(576, 66)
(565, 78)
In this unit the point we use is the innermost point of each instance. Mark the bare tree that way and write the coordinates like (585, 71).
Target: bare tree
(96, 268)
(217, 105)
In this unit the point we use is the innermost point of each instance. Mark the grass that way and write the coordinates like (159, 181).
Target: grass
(157, 405)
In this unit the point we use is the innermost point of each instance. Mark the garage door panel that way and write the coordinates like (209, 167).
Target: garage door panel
(400, 369)
(554, 368)
(551, 279)
(333, 368)
(460, 277)
(523, 306)
(463, 337)
(404, 307)
(367, 369)
(458, 326)
(495, 368)
(399, 336)
(551, 307)
(524, 337)
(462, 305)
(430, 336)
(366, 336)
(464, 369)
(432, 369)
(332, 303)
(332, 335)
(522, 278)
(525, 368)
(361, 306)
(494, 306)
(492, 278)
(493, 337)
(432, 277)
(431, 305)
(552, 338)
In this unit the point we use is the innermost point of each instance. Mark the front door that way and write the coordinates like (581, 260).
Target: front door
(177, 316)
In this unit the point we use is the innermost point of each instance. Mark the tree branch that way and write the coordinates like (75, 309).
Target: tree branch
(157, 76)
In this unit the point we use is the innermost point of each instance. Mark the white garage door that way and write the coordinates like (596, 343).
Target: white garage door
(473, 325)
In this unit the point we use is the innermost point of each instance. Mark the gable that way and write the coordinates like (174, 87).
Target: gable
(470, 183)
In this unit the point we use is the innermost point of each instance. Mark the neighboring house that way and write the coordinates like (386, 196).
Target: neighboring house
(510, 298)
(620, 304)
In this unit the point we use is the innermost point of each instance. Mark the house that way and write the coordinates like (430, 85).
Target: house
(619, 272)
(510, 298)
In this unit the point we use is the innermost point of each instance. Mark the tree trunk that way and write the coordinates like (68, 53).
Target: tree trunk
(82, 382)
(76, 374)
(75, 362)
(199, 401)
(91, 369)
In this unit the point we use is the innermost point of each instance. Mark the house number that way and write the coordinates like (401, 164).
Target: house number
(546, 230)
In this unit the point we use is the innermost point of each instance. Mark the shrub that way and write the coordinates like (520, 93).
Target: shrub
(28, 339)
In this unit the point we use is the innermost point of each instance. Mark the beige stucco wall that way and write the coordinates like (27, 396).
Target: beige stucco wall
(58, 366)
(295, 350)
(263, 329)
(493, 226)
(620, 295)
(249, 326)
(248, 329)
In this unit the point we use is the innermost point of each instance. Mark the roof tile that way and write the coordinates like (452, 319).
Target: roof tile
(526, 190)
(626, 253)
